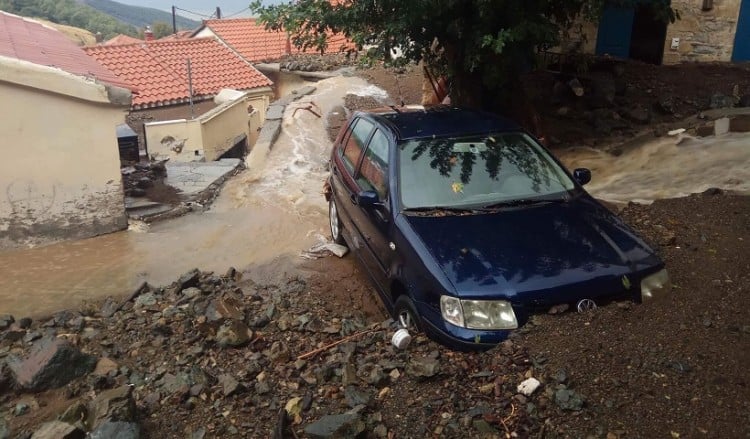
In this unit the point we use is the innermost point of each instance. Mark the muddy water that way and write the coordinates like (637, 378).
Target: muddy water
(666, 168)
(272, 209)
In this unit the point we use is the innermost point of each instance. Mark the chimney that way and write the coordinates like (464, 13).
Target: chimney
(148, 35)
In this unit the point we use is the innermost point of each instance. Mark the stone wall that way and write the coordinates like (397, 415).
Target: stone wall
(704, 35)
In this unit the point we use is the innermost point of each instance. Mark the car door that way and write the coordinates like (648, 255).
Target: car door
(374, 221)
(344, 163)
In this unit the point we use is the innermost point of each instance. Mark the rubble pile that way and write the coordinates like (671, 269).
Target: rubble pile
(139, 178)
(216, 356)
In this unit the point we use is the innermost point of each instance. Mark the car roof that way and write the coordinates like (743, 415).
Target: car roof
(415, 122)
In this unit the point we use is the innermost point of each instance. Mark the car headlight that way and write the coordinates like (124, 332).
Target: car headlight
(655, 285)
(478, 314)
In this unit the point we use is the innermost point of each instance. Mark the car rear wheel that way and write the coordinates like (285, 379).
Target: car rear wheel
(335, 222)
(406, 314)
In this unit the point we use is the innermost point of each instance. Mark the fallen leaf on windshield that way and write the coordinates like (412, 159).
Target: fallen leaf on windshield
(458, 187)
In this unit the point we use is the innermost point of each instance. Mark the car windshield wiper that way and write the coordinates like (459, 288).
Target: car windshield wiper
(449, 210)
(525, 202)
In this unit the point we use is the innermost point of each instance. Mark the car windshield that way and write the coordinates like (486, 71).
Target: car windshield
(478, 171)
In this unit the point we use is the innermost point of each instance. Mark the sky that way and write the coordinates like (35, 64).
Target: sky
(204, 7)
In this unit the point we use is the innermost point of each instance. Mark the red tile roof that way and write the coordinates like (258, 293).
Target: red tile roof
(159, 69)
(31, 41)
(122, 39)
(254, 43)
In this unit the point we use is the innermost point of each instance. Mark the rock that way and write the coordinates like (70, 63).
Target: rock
(109, 308)
(21, 409)
(104, 367)
(529, 386)
(147, 299)
(666, 105)
(558, 309)
(116, 430)
(192, 292)
(355, 397)
(225, 308)
(25, 323)
(52, 363)
(4, 430)
(5, 321)
(561, 376)
(721, 126)
(233, 333)
(111, 406)
(567, 399)
(576, 87)
(230, 385)
(423, 367)
(189, 279)
(719, 100)
(76, 415)
(348, 425)
(58, 430)
(639, 115)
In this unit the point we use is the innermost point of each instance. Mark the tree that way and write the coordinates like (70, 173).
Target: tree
(482, 46)
(161, 29)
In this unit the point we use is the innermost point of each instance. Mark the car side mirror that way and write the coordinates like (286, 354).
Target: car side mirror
(582, 175)
(368, 198)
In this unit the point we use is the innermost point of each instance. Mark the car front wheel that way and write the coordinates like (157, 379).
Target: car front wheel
(406, 314)
(335, 222)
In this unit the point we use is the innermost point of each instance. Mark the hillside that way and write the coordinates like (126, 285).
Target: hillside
(138, 16)
(71, 13)
(82, 37)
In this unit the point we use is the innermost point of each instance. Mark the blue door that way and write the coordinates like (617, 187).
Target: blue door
(742, 36)
(615, 30)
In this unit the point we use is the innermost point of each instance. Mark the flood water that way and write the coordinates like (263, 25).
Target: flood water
(276, 208)
(668, 167)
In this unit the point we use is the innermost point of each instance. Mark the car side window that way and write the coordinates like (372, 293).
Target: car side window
(373, 173)
(356, 143)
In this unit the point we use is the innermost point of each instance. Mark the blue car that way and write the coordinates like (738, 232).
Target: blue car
(467, 225)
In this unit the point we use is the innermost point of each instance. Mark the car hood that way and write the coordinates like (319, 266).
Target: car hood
(547, 253)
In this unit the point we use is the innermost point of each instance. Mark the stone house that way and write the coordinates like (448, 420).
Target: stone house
(707, 31)
(59, 109)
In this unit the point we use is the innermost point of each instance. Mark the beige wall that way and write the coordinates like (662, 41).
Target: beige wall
(60, 171)
(705, 36)
(210, 135)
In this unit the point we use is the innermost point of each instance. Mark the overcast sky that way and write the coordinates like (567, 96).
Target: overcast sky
(204, 7)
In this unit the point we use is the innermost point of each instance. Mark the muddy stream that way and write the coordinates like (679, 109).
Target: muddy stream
(275, 209)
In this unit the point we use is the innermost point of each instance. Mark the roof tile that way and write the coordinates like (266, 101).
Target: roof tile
(159, 69)
(28, 40)
(254, 43)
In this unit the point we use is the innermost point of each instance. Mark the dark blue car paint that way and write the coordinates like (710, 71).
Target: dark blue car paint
(534, 256)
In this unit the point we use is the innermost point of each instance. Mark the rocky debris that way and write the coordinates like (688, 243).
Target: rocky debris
(347, 425)
(116, 430)
(52, 363)
(138, 180)
(112, 405)
(182, 361)
(567, 399)
(6, 320)
(316, 63)
(58, 430)
(4, 430)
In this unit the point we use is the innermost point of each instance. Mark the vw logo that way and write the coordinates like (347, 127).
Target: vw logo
(586, 305)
